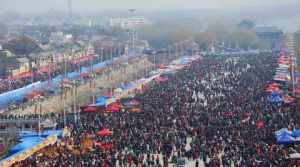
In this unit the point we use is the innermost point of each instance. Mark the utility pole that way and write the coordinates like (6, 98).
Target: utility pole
(40, 112)
(64, 105)
(70, 10)
(169, 52)
(132, 33)
(292, 57)
(176, 50)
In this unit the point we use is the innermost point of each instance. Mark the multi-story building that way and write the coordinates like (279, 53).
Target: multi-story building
(270, 37)
(23, 66)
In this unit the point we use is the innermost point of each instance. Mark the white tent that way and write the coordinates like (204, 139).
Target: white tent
(294, 156)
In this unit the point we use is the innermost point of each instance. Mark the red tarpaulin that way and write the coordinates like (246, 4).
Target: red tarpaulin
(280, 78)
(46, 69)
(114, 107)
(135, 109)
(286, 62)
(134, 102)
(82, 59)
(288, 99)
(90, 109)
(105, 146)
(104, 132)
(66, 83)
(84, 74)
(34, 94)
(274, 87)
(99, 70)
(297, 91)
(160, 79)
(140, 90)
(23, 75)
(162, 66)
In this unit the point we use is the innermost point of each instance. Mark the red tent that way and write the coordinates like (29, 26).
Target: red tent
(271, 89)
(280, 78)
(160, 79)
(162, 66)
(84, 74)
(46, 69)
(273, 85)
(34, 94)
(82, 59)
(90, 109)
(23, 75)
(114, 107)
(99, 70)
(104, 132)
(134, 102)
(288, 99)
(105, 146)
(297, 91)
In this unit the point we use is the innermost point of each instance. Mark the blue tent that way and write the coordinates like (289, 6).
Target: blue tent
(99, 65)
(127, 86)
(285, 138)
(101, 101)
(296, 133)
(184, 60)
(275, 98)
(281, 131)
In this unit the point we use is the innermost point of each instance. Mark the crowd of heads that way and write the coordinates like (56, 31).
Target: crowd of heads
(208, 111)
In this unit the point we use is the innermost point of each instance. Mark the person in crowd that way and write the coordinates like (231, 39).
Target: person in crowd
(206, 112)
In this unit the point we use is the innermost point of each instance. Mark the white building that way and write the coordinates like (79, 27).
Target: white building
(60, 38)
(126, 23)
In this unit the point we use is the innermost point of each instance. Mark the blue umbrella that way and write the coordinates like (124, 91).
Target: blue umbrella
(285, 138)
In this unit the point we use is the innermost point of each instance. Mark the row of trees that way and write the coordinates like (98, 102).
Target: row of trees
(162, 34)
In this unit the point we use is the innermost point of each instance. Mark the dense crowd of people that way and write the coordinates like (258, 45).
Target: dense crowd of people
(206, 112)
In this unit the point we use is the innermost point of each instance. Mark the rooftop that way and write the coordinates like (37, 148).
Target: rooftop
(267, 29)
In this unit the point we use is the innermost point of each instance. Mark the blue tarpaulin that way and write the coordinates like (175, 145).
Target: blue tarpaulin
(101, 101)
(29, 140)
(26, 143)
(184, 60)
(285, 138)
(275, 98)
(42, 134)
(281, 131)
(127, 86)
(296, 133)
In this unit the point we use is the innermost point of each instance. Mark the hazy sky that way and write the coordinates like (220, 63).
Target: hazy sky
(37, 6)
